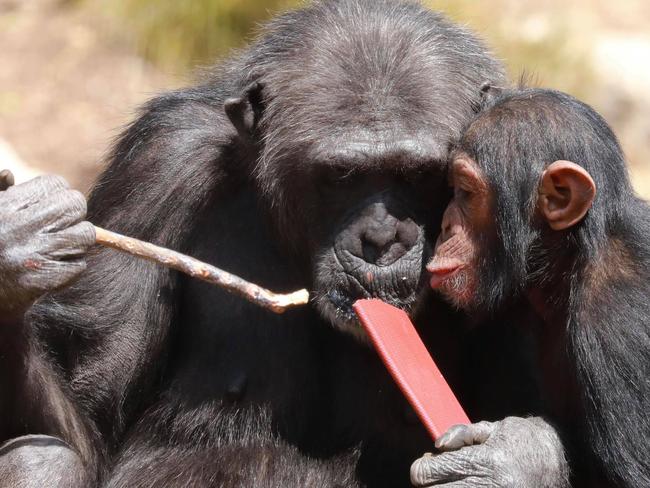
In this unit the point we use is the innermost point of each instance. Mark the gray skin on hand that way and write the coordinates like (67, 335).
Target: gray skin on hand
(43, 239)
(515, 452)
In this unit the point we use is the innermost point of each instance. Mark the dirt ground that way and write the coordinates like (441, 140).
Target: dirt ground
(69, 80)
(67, 86)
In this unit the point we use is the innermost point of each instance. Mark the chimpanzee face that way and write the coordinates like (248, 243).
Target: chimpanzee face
(359, 205)
(455, 267)
(370, 228)
(472, 266)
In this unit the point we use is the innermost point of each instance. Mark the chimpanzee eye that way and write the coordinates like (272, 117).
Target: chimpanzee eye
(414, 177)
(424, 177)
(338, 173)
(460, 193)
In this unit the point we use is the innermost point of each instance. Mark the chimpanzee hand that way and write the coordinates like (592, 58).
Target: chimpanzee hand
(515, 452)
(43, 239)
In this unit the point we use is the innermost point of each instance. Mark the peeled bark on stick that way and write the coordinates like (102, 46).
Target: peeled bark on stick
(256, 294)
(278, 303)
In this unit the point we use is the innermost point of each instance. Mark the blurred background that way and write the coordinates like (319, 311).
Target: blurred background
(73, 72)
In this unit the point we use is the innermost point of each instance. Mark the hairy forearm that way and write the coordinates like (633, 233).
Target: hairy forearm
(33, 399)
(14, 347)
(20, 388)
(55, 411)
(9, 321)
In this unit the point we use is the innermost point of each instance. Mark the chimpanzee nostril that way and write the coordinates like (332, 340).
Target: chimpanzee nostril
(380, 234)
(408, 233)
(387, 241)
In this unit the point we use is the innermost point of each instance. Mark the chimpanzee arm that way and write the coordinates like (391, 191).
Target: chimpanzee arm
(110, 329)
(43, 240)
(515, 452)
(42, 246)
(611, 346)
(47, 439)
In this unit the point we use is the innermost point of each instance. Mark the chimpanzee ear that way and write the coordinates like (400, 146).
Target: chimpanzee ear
(566, 193)
(488, 95)
(245, 111)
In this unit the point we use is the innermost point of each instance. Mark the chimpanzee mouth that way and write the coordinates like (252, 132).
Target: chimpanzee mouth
(441, 276)
(335, 302)
(365, 263)
(336, 306)
(343, 303)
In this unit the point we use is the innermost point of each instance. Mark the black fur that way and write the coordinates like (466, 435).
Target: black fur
(42, 243)
(325, 172)
(594, 278)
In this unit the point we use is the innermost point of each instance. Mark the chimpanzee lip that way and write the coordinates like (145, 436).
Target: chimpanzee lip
(341, 282)
(343, 299)
(335, 305)
(442, 274)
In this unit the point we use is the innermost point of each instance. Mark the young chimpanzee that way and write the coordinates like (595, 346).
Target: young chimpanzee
(543, 211)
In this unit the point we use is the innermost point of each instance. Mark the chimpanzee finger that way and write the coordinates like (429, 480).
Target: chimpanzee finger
(449, 466)
(465, 435)
(45, 275)
(56, 211)
(469, 482)
(26, 194)
(68, 243)
(6, 179)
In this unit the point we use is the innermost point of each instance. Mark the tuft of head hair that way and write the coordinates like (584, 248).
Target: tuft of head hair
(335, 68)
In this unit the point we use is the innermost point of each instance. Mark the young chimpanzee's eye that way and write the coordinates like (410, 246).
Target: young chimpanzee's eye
(460, 193)
(464, 186)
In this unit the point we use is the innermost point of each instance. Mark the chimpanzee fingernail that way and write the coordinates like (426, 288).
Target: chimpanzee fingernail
(6, 179)
(442, 441)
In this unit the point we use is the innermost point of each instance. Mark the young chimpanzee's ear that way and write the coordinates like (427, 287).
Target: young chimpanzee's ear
(245, 111)
(566, 193)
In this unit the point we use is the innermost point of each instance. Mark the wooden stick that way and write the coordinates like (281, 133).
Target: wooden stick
(256, 294)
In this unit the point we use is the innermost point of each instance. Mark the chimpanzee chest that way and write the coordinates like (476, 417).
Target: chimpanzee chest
(326, 392)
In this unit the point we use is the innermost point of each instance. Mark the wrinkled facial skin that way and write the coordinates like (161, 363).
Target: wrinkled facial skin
(371, 239)
(455, 266)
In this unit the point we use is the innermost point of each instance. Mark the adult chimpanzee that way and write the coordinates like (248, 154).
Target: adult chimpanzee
(314, 158)
(525, 221)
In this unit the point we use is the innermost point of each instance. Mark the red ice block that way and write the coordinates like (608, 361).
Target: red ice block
(411, 366)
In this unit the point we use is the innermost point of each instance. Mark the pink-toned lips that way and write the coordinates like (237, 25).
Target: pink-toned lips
(442, 270)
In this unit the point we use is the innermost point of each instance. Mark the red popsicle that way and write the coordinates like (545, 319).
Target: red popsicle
(411, 366)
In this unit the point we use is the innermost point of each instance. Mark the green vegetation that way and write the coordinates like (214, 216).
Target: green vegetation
(183, 34)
